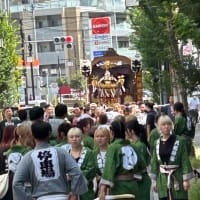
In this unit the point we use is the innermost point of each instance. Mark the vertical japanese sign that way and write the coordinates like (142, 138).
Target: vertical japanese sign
(101, 38)
(139, 89)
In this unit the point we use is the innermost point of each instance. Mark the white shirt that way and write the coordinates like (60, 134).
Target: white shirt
(194, 103)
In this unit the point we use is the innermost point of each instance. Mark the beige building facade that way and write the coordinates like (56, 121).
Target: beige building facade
(45, 20)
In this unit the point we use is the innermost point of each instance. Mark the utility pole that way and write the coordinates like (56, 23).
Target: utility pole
(30, 48)
(60, 73)
(23, 62)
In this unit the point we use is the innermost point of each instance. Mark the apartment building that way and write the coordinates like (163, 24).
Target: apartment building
(44, 20)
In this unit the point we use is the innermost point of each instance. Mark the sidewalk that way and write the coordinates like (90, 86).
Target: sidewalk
(197, 133)
(197, 140)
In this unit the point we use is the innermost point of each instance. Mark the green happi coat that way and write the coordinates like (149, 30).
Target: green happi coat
(63, 142)
(15, 154)
(180, 128)
(145, 183)
(99, 160)
(122, 158)
(178, 156)
(180, 125)
(88, 141)
(154, 135)
(88, 166)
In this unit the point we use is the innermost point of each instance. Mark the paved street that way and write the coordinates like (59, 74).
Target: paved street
(197, 135)
(197, 140)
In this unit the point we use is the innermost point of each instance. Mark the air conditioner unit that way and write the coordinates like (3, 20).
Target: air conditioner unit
(53, 71)
(45, 70)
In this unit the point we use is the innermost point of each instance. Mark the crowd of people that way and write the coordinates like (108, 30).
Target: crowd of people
(93, 151)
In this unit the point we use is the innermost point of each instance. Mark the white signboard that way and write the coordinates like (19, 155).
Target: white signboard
(131, 3)
(101, 38)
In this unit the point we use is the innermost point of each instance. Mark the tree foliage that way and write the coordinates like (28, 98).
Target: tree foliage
(159, 27)
(9, 75)
(77, 81)
(62, 81)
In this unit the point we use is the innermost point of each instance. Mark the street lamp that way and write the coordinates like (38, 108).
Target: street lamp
(85, 67)
(137, 69)
(136, 65)
(85, 70)
(30, 48)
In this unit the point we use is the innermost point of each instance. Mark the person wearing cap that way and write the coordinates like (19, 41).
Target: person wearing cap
(194, 108)
(93, 107)
(45, 168)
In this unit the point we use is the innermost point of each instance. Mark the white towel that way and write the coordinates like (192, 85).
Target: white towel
(54, 197)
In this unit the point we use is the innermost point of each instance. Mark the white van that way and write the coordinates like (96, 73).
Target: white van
(33, 102)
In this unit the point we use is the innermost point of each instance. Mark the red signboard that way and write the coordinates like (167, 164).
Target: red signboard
(101, 25)
(65, 90)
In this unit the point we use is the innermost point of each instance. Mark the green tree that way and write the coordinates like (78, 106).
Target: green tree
(159, 26)
(9, 74)
(78, 81)
(191, 9)
(62, 81)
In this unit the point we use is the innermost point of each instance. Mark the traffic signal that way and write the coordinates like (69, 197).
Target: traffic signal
(69, 41)
(59, 40)
(30, 46)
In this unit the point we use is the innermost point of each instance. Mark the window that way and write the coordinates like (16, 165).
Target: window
(54, 20)
(39, 24)
(25, 2)
(123, 44)
(120, 20)
(46, 47)
(41, 21)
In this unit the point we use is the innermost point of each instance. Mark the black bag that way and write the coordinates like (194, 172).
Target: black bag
(4, 184)
(190, 127)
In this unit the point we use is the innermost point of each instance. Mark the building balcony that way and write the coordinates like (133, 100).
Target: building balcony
(44, 5)
(50, 58)
(122, 29)
(48, 33)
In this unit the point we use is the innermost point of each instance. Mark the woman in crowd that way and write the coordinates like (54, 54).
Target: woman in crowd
(122, 162)
(21, 144)
(102, 140)
(7, 137)
(134, 131)
(85, 159)
(171, 169)
(180, 125)
(85, 125)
